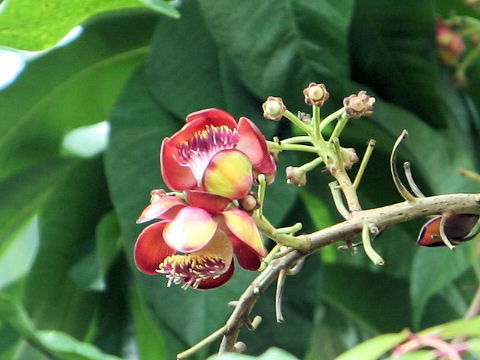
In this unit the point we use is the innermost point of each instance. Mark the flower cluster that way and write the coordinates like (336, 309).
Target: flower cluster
(213, 161)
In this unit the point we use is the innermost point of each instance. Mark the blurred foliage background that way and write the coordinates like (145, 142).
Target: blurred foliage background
(80, 131)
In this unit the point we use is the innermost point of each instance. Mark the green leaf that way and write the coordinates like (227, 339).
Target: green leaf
(278, 47)
(91, 270)
(67, 230)
(432, 270)
(381, 309)
(25, 192)
(150, 341)
(57, 344)
(454, 329)
(374, 348)
(33, 25)
(24, 245)
(68, 87)
(394, 53)
(193, 85)
(68, 348)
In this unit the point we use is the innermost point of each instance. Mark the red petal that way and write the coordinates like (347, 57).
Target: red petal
(430, 233)
(191, 230)
(252, 142)
(164, 207)
(215, 117)
(210, 202)
(229, 174)
(214, 283)
(151, 249)
(176, 176)
(245, 237)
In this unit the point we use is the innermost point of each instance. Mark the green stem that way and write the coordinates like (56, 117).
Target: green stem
(209, 339)
(301, 242)
(289, 229)
(367, 246)
(290, 116)
(338, 200)
(317, 133)
(312, 164)
(339, 127)
(291, 147)
(363, 164)
(333, 116)
(296, 140)
(270, 256)
(262, 188)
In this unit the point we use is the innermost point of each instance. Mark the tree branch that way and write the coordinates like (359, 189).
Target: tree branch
(381, 217)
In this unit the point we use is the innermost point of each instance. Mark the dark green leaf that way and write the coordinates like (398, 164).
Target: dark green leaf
(67, 229)
(278, 47)
(25, 192)
(394, 53)
(432, 270)
(91, 270)
(381, 309)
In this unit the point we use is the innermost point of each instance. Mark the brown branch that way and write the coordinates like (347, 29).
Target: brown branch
(380, 217)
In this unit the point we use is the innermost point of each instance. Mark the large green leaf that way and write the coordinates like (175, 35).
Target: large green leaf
(433, 269)
(394, 53)
(69, 87)
(278, 47)
(54, 344)
(34, 25)
(22, 194)
(67, 229)
(381, 309)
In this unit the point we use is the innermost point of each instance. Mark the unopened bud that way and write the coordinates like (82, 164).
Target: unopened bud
(273, 108)
(249, 202)
(359, 105)
(296, 176)
(156, 194)
(349, 157)
(316, 94)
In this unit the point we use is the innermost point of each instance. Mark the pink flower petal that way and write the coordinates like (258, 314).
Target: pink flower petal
(151, 249)
(252, 142)
(191, 229)
(164, 207)
(246, 239)
(215, 117)
(176, 176)
(210, 202)
(229, 174)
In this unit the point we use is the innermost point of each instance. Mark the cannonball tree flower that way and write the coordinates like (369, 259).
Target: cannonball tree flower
(458, 228)
(215, 154)
(194, 245)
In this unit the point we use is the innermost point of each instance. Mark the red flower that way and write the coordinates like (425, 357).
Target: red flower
(458, 228)
(194, 246)
(215, 154)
